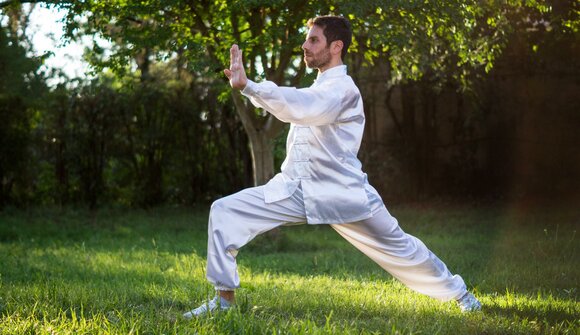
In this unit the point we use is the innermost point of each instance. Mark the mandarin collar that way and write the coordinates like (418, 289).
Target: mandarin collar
(333, 72)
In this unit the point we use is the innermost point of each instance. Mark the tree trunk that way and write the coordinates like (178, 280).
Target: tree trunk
(262, 150)
(261, 131)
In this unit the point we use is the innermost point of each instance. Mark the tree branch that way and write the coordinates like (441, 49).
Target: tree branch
(273, 126)
(7, 3)
(10, 2)
(391, 110)
(247, 116)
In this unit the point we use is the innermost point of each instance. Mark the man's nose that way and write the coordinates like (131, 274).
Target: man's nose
(304, 45)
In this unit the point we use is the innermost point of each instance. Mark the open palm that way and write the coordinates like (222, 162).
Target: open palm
(236, 73)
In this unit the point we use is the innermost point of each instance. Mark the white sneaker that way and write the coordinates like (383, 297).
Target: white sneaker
(215, 304)
(469, 303)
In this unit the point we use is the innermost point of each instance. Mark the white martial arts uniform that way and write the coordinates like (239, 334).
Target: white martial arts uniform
(321, 182)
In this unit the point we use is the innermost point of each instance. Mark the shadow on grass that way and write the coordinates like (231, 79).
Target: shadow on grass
(468, 247)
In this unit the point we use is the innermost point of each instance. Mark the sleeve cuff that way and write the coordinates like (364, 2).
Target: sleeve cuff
(250, 89)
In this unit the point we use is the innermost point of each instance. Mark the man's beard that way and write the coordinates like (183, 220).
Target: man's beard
(318, 60)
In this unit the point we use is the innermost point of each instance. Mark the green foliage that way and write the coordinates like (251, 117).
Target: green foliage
(441, 41)
(200, 32)
(438, 41)
(122, 140)
(163, 125)
(14, 138)
(21, 90)
(119, 272)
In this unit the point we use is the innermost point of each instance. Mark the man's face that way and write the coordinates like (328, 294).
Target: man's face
(316, 51)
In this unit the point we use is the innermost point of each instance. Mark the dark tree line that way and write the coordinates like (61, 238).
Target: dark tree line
(116, 139)
(141, 144)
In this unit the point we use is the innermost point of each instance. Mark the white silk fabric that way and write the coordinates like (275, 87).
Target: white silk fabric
(236, 219)
(326, 128)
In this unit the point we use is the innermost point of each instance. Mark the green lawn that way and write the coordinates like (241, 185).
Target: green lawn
(136, 272)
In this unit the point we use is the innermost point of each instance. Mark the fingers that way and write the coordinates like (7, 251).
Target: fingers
(239, 54)
(232, 56)
(236, 73)
(233, 60)
(235, 57)
(234, 51)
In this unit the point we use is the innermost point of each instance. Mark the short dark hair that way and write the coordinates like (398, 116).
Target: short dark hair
(335, 28)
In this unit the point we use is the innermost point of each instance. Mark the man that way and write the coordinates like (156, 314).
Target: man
(321, 180)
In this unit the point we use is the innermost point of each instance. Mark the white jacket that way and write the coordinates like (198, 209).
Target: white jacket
(326, 128)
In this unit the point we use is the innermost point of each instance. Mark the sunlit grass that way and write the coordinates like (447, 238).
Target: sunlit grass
(136, 272)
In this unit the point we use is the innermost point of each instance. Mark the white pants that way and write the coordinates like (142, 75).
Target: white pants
(236, 219)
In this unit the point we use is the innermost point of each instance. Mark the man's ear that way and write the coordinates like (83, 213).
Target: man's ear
(336, 47)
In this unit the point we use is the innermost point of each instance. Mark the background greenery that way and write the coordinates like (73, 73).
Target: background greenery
(158, 124)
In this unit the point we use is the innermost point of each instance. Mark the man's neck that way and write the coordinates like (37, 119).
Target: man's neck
(330, 65)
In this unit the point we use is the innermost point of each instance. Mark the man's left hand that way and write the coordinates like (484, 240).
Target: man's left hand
(236, 73)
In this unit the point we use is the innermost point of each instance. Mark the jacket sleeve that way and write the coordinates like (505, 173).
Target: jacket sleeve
(312, 106)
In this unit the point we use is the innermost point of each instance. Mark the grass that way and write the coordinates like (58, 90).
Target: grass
(135, 272)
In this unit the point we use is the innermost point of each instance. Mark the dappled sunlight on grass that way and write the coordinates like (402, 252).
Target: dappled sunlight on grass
(379, 305)
(539, 306)
(119, 273)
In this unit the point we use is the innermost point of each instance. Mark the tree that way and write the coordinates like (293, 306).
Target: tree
(437, 42)
(155, 30)
(21, 86)
(431, 42)
(430, 47)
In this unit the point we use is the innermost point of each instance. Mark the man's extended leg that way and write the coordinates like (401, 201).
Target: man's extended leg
(233, 222)
(403, 256)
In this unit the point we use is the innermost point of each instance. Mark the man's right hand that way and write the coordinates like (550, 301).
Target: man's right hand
(236, 73)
